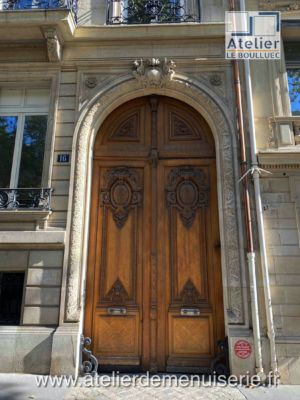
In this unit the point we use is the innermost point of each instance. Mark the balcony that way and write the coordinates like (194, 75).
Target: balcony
(34, 199)
(29, 206)
(285, 130)
(40, 24)
(152, 11)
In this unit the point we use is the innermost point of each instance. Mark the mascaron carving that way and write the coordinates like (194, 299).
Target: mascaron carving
(187, 190)
(215, 80)
(91, 82)
(121, 193)
(153, 72)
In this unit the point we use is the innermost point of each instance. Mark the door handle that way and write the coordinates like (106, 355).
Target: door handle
(117, 310)
(190, 311)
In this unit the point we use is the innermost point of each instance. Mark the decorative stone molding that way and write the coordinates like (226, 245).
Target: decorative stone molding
(54, 47)
(214, 110)
(281, 167)
(154, 72)
(215, 80)
(210, 79)
(91, 82)
(279, 5)
(280, 160)
(76, 239)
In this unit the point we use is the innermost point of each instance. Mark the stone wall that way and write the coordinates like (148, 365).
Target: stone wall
(27, 348)
(64, 130)
(284, 268)
(43, 273)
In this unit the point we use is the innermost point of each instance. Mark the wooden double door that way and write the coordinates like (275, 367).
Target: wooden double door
(154, 291)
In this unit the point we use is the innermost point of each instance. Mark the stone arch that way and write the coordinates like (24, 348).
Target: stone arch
(220, 120)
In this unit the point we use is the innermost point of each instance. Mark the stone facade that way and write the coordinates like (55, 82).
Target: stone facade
(87, 65)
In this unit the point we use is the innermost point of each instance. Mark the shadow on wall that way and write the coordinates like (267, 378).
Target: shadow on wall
(38, 358)
(92, 12)
(289, 369)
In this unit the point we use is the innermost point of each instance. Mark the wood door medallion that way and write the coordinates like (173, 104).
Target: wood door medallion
(154, 289)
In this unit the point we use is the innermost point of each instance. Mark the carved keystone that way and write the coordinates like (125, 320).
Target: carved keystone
(153, 72)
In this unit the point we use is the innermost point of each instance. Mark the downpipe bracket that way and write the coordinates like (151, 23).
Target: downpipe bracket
(255, 169)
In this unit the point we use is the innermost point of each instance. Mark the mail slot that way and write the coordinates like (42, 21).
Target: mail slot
(117, 310)
(190, 311)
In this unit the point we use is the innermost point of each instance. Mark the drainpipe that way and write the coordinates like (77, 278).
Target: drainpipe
(259, 215)
(248, 220)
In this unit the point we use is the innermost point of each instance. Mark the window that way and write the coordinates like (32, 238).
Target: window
(292, 59)
(11, 294)
(23, 128)
(294, 89)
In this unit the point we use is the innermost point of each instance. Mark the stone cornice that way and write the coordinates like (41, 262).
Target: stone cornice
(161, 32)
(280, 160)
(280, 167)
(33, 237)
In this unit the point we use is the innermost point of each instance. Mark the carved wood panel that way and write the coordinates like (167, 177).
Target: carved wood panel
(121, 195)
(118, 198)
(190, 262)
(128, 130)
(181, 129)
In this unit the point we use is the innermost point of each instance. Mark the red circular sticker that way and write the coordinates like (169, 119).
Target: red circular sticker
(242, 349)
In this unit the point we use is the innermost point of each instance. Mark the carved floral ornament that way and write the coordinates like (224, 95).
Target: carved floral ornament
(187, 190)
(117, 294)
(189, 294)
(153, 72)
(121, 193)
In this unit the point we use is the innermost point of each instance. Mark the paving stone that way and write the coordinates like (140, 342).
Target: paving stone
(140, 391)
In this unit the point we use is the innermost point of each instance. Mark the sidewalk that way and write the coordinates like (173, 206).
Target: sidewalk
(24, 387)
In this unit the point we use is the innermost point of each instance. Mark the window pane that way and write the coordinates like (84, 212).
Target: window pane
(8, 129)
(32, 157)
(294, 89)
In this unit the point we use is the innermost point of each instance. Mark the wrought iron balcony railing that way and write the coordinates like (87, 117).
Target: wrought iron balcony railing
(10, 5)
(37, 199)
(152, 11)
